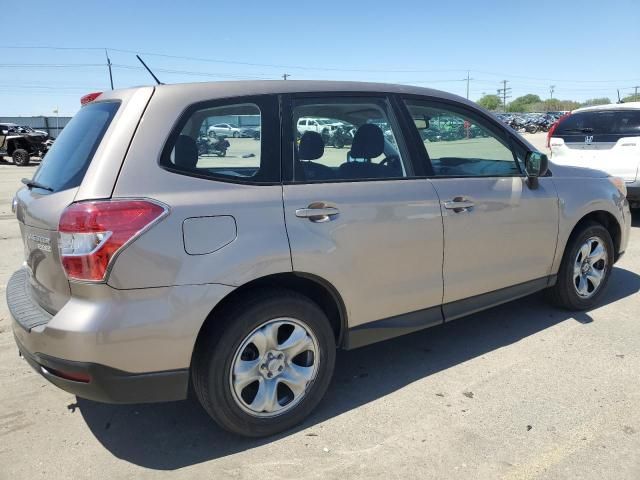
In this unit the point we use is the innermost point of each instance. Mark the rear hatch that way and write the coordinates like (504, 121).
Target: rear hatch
(607, 140)
(81, 155)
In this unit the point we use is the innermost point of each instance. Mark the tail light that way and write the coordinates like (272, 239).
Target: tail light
(92, 234)
(553, 128)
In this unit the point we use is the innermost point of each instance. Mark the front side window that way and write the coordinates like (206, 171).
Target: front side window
(350, 143)
(461, 146)
(203, 146)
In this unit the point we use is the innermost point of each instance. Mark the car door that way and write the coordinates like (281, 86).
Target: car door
(499, 233)
(361, 220)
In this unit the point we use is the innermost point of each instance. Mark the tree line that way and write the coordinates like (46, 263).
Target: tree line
(533, 103)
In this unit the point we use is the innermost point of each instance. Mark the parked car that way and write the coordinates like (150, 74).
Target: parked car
(242, 275)
(605, 137)
(21, 143)
(226, 129)
(317, 125)
(250, 132)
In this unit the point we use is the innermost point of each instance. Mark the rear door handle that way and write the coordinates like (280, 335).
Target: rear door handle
(317, 212)
(459, 204)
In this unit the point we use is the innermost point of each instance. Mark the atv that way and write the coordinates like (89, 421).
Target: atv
(21, 143)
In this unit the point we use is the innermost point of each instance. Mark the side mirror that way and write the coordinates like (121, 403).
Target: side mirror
(536, 165)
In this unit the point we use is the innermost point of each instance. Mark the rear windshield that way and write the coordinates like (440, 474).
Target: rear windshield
(607, 122)
(66, 163)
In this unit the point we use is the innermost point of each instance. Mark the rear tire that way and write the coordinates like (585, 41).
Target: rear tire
(575, 288)
(21, 157)
(237, 341)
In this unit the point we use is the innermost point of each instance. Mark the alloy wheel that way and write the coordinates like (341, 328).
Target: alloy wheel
(274, 367)
(589, 267)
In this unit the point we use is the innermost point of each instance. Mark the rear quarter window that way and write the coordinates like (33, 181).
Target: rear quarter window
(204, 144)
(65, 165)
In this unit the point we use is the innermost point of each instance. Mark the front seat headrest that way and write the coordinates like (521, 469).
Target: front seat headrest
(186, 152)
(368, 142)
(311, 146)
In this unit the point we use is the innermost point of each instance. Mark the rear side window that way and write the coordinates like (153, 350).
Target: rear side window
(224, 142)
(351, 139)
(66, 163)
(607, 122)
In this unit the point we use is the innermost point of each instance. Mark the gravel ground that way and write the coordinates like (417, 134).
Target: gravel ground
(519, 391)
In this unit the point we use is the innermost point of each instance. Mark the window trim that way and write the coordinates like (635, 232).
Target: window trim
(269, 138)
(492, 124)
(287, 125)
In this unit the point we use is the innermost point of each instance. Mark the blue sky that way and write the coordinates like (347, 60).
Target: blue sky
(585, 48)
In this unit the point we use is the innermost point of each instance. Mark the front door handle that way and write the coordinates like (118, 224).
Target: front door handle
(318, 212)
(459, 204)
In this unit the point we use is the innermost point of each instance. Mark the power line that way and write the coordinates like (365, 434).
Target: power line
(52, 65)
(314, 68)
(186, 72)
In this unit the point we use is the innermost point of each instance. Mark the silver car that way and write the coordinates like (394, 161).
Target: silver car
(150, 267)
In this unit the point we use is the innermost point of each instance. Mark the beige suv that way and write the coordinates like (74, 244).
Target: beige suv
(150, 267)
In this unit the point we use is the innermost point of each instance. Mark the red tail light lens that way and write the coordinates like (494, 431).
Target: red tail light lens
(553, 128)
(93, 233)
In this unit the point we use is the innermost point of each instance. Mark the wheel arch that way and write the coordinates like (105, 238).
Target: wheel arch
(15, 143)
(607, 220)
(317, 289)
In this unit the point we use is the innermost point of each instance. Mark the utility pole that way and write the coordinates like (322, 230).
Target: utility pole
(109, 65)
(57, 112)
(285, 76)
(635, 95)
(552, 89)
(468, 79)
(504, 92)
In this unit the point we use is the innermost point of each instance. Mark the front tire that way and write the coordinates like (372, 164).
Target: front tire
(21, 157)
(585, 269)
(262, 366)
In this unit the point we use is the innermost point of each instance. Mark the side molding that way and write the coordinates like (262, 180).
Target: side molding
(388, 328)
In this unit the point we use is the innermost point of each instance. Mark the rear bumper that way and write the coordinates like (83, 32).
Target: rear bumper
(134, 345)
(105, 384)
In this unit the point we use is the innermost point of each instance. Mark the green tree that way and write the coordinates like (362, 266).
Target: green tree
(596, 101)
(490, 102)
(553, 105)
(520, 104)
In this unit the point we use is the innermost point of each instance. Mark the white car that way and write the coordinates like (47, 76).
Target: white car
(308, 124)
(604, 137)
(225, 129)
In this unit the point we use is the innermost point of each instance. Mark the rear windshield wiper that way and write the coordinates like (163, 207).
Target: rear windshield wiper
(583, 130)
(33, 184)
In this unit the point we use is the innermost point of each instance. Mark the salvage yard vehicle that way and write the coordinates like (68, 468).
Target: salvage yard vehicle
(21, 143)
(225, 129)
(606, 137)
(150, 268)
